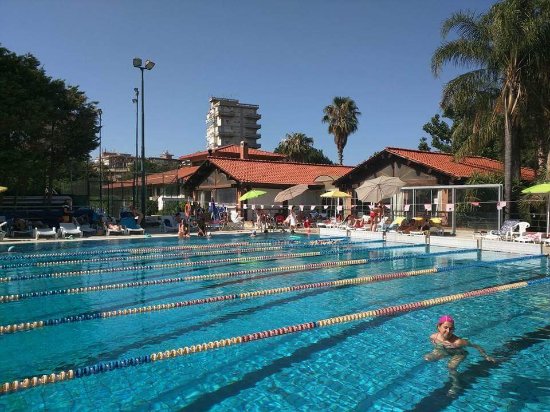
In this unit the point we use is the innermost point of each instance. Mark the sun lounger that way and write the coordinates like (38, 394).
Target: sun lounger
(45, 232)
(130, 226)
(2, 231)
(111, 229)
(23, 230)
(529, 238)
(168, 224)
(87, 230)
(69, 229)
(505, 231)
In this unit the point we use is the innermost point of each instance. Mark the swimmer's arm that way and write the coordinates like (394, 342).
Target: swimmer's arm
(479, 349)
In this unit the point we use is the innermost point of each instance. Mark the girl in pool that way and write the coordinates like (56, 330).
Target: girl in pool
(448, 344)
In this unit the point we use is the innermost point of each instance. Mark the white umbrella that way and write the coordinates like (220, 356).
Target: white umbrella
(290, 193)
(374, 190)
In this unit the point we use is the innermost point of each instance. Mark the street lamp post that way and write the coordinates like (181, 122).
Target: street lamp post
(100, 112)
(135, 177)
(148, 65)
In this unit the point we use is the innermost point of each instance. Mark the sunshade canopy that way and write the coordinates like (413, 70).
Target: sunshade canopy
(541, 189)
(335, 194)
(291, 192)
(379, 188)
(251, 194)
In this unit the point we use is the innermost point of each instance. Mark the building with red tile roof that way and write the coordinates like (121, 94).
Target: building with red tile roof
(422, 168)
(230, 151)
(224, 180)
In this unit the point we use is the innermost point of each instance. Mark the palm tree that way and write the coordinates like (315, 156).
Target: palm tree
(295, 146)
(341, 117)
(506, 48)
(299, 148)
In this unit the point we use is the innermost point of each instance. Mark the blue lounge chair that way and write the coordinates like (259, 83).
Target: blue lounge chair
(130, 226)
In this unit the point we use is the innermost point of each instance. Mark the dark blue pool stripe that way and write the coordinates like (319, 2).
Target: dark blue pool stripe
(334, 249)
(17, 256)
(163, 281)
(185, 254)
(98, 315)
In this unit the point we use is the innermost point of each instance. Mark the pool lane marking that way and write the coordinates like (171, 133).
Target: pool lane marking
(277, 269)
(167, 248)
(27, 383)
(170, 255)
(22, 326)
(244, 295)
(336, 249)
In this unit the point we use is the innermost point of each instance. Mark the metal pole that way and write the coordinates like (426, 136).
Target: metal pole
(453, 219)
(143, 185)
(136, 159)
(100, 112)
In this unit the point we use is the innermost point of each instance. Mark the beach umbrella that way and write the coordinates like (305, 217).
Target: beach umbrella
(335, 194)
(374, 190)
(290, 193)
(541, 189)
(251, 194)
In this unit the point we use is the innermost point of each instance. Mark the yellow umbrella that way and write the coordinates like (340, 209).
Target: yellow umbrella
(3, 189)
(335, 194)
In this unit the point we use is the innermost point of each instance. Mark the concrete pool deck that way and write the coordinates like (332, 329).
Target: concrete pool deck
(464, 238)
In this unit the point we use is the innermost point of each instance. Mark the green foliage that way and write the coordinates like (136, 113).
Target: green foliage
(152, 207)
(506, 52)
(441, 134)
(45, 126)
(298, 147)
(342, 118)
(423, 144)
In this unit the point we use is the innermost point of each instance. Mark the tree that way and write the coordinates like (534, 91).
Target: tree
(45, 125)
(341, 117)
(441, 134)
(507, 49)
(299, 148)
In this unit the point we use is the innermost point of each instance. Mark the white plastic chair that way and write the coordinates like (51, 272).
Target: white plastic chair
(519, 230)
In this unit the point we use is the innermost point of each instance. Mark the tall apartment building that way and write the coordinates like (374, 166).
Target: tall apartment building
(230, 122)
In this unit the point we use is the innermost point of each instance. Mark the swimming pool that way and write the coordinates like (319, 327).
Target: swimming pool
(85, 292)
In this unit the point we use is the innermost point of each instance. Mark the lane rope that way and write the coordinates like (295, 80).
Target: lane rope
(157, 249)
(107, 366)
(29, 325)
(168, 256)
(240, 259)
(278, 269)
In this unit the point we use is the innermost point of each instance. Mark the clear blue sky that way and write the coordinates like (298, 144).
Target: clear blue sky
(290, 57)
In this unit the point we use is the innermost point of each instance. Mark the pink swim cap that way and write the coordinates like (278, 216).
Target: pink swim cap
(445, 318)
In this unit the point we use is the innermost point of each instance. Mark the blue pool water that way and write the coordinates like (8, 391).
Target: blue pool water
(371, 364)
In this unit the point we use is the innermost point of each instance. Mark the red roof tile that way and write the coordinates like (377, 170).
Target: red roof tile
(168, 177)
(463, 168)
(271, 172)
(233, 151)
